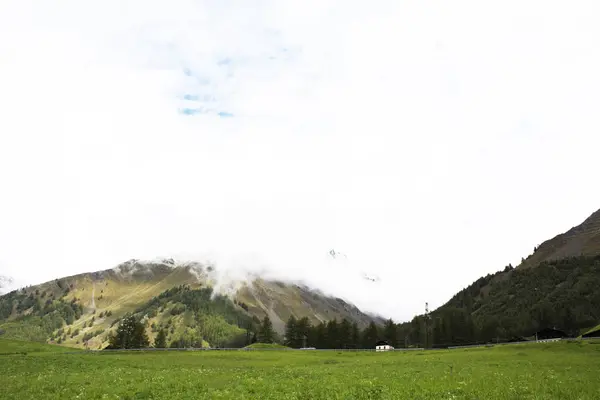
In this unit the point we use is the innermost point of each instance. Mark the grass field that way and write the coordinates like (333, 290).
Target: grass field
(266, 346)
(533, 371)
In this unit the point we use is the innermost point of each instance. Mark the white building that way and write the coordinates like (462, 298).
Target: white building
(382, 345)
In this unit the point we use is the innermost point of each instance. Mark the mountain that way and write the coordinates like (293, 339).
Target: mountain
(582, 240)
(191, 301)
(556, 286)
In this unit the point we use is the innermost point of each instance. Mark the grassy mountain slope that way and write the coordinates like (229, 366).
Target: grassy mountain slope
(82, 310)
(557, 286)
(8, 346)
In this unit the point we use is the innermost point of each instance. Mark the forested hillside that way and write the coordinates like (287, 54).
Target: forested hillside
(197, 317)
(555, 287)
(519, 302)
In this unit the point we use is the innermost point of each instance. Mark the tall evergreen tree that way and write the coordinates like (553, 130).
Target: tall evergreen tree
(333, 340)
(291, 332)
(249, 331)
(403, 334)
(303, 331)
(266, 333)
(370, 336)
(355, 336)
(321, 336)
(344, 334)
(313, 336)
(161, 340)
(419, 335)
(390, 333)
(131, 334)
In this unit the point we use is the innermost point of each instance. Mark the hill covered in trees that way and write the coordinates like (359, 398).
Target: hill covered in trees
(556, 286)
(83, 310)
(519, 302)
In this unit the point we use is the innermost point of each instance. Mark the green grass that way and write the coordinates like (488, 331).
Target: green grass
(9, 347)
(266, 346)
(531, 371)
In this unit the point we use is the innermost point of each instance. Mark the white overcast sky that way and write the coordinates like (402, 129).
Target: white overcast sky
(432, 142)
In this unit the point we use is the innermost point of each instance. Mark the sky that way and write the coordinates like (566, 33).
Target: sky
(430, 142)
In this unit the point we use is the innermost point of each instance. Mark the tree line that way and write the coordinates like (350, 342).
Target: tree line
(424, 331)
(299, 333)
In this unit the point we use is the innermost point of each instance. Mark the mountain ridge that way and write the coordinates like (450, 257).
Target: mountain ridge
(580, 240)
(70, 309)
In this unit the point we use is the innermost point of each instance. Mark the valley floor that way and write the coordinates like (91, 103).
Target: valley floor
(532, 371)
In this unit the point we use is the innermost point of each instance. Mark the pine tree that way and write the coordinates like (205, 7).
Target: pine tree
(291, 332)
(355, 336)
(303, 332)
(344, 334)
(403, 334)
(313, 337)
(390, 333)
(248, 337)
(321, 336)
(161, 340)
(131, 334)
(266, 333)
(333, 339)
(370, 336)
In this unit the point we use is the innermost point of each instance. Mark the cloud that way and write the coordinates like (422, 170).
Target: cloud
(430, 142)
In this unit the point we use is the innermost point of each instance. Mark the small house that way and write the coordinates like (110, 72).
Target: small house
(383, 345)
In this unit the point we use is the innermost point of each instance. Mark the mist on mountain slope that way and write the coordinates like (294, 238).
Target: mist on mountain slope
(332, 275)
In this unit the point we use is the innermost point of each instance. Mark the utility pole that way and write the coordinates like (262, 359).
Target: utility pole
(426, 324)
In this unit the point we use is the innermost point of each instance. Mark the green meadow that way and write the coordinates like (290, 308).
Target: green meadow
(567, 370)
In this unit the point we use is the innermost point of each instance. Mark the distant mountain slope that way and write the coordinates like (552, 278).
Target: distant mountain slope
(582, 240)
(81, 310)
(557, 286)
(280, 300)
